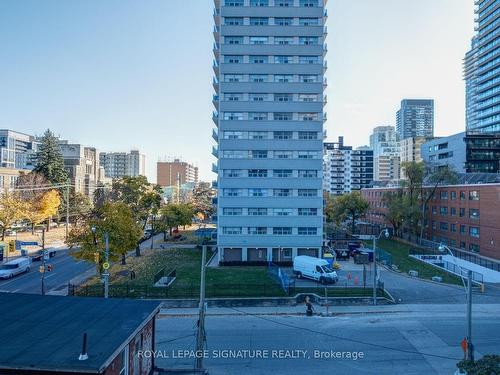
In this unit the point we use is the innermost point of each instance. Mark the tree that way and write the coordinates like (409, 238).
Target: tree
(143, 198)
(394, 203)
(202, 200)
(412, 185)
(12, 209)
(434, 177)
(488, 365)
(80, 207)
(173, 215)
(42, 207)
(349, 206)
(49, 160)
(115, 219)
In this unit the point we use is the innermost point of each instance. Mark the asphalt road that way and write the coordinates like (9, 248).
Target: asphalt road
(392, 343)
(65, 268)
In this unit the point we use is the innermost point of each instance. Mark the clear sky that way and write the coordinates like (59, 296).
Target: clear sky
(122, 74)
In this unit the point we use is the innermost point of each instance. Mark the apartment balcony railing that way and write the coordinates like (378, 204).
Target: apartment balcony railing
(215, 151)
(215, 118)
(215, 169)
(214, 184)
(215, 135)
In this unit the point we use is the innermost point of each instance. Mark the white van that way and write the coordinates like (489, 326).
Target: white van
(15, 267)
(314, 268)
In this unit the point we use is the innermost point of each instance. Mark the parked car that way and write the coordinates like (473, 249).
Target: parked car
(15, 267)
(39, 255)
(315, 269)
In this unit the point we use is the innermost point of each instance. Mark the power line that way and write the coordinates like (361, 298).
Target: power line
(344, 338)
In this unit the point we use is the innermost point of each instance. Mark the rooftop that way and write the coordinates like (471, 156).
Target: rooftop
(46, 332)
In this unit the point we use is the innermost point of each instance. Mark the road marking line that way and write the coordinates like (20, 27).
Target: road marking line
(53, 274)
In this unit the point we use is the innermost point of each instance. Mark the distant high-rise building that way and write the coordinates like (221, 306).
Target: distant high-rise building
(121, 164)
(384, 141)
(17, 150)
(82, 164)
(269, 68)
(410, 151)
(445, 151)
(415, 118)
(175, 173)
(482, 80)
(345, 169)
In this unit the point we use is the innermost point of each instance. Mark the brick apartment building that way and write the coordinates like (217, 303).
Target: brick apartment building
(465, 217)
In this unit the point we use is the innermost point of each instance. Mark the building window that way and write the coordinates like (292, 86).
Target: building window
(233, 59)
(474, 213)
(283, 154)
(283, 3)
(462, 212)
(259, 40)
(257, 116)
(258, 154)
(257, 212)
(282, 212)
(283, 59)
(258, 78)
(283, 78)
(308, 211)
(259, 21)
(473, 195)
(309, 21)
(282, 21)
(257, 192)
(308, 78)
(233, 21)
(257, 230)
(257, 173)
(233, 97)
(233, 192)
(308, 117)
(283, 116)
(233, 40)
(233, 77)
(309, 60)
(453, 195)
(474, 247)
(453, 211)
(257, 135)
(259, 3)
(234, 3)
(308, 193)
(453, 228)
(283, 97)
(307, 231)
(462, 244)
(233, 116)
(257, 97)
(434, 210)
(258, 59)
(308, 135)
(462, 229)
(232, 173)
(231, 230)
(443, 226)
(308, 173)
(474, 232)
(282, 231)
(124, 362)
(283, 135)
(308, 97)
(307, 40)
(282, 192)
(233, 135)
(443, 211)
(283, 40)
(308, 155)
(433, 225)
(282, 173)
(308, 3)
(462, 195)
(233, 211)
(443, 195)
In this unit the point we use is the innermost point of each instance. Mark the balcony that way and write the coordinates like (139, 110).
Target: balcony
(216, 32)
(214, 184)
(215, 169)
(215, 152)
(215, 84)
(216, 50)
(215, 118)
(215, 101)
(325, 99)
(215, 67)
(215, 135)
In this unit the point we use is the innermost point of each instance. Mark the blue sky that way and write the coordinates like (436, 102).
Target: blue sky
(122, 74)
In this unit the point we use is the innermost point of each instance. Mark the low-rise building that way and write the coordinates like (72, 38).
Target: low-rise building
(443, 151)
(8, 177)
(45, 335)
(175, 173)
(461, 216)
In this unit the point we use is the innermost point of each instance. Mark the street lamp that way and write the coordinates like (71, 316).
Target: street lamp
(385, 233)
(468, 293)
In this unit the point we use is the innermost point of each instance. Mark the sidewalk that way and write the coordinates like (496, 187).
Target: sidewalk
(334, 310)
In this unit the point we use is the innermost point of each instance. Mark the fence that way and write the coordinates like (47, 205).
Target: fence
(281, 277)
(384, 257)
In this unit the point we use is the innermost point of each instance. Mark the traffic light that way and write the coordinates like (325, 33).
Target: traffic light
(49, 267)
(12, 246)
(96, 257)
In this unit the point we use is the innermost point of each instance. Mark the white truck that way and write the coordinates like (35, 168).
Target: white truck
(315, 269)
(15, 267)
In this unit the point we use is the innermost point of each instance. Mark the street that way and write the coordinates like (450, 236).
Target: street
(65, 268)
(423, 340)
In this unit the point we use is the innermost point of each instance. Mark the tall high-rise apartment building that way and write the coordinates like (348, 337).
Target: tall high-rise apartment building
(410, 151)
(482, 83)
(384, 141)
(121, 164)
(345, 169)
(17, 150)
(175, 173)
(269, 82)
(415, 118)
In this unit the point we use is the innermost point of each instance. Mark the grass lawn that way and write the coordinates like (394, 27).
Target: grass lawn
(400, 257)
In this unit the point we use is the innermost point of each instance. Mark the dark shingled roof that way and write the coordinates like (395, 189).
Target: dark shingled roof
(46, 332)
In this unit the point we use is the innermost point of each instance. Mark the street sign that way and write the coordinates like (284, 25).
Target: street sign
(28, 243)
(105, 265)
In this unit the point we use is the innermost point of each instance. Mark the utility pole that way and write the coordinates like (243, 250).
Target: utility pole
(43, 261)
(152, 231)
(67, 211)
(106, 271)
(200, 338)
(374, 270)
(470, 347)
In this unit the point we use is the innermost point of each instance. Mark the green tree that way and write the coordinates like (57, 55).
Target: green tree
(115, 219)
(202, 200)
(49, 160)
(80, 207)
(349, 206)
(412, 185)
(174, 215)
(394, 202)
(488, 365)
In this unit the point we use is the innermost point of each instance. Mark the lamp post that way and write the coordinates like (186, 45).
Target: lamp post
(105, 274)
(468, 293)
(384, 232)
(200, 337)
